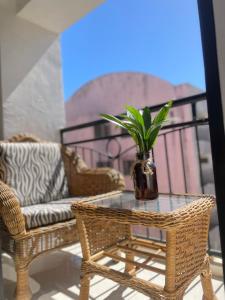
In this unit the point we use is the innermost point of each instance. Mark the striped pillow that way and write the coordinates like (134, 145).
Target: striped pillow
(35, 171)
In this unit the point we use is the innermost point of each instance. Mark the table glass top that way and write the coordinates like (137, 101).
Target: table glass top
(126, 200)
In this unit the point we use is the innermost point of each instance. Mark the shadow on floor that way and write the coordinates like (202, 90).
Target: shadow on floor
(51, 274)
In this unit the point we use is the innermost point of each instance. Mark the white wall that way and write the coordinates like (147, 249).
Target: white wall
(22, 45)
(30, 61)
(36, 106)
(30, 77)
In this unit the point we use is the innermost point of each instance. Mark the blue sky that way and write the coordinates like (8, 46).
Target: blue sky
(160, 37)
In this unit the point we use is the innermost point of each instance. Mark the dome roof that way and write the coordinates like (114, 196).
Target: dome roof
(111, 92)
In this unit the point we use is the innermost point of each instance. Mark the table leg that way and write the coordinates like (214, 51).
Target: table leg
(85, 287)
(1, 277)
(206, 280)
(129, 267)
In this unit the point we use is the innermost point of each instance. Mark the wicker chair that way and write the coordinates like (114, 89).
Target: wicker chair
(22, 238)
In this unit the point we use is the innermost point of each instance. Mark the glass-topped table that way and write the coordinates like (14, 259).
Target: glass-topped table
(105, 228)
(126, 200)
(167, 211)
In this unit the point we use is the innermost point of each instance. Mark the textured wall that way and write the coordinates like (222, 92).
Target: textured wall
(36, 105)
(22, 45)
(30, 60)
(30, 76)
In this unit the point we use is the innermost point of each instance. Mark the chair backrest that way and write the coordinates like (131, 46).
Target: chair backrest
(35, 171)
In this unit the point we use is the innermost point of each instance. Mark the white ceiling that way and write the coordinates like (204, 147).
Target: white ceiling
(56, 15)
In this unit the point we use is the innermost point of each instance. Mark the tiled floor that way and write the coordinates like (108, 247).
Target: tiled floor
(56, 276)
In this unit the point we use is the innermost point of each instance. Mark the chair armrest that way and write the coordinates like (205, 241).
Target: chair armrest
(10, 211)
(96, 181)
(83, 181)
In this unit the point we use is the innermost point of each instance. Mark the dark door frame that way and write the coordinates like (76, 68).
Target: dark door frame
(215, 109)
(1, 101)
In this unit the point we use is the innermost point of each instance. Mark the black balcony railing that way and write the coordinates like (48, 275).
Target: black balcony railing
(182, 153)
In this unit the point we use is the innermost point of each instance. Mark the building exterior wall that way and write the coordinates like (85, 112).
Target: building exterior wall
(109, 94)
(30, 78)
(22, 45)
(31, 94)
(36, 106)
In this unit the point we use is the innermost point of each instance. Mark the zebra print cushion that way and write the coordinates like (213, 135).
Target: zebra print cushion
(34, 171)
(49, 213)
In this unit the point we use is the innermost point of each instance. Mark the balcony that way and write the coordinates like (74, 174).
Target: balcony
(58, 277)
(182, 154)
(32, 101)
(184, 141)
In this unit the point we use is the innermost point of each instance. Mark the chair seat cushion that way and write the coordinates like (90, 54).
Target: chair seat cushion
(48, 213)
(34, 171)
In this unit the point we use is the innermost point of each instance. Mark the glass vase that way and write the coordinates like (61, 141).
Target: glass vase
(145, 178)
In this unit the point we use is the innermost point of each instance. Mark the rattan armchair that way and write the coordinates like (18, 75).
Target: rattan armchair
(24, 244)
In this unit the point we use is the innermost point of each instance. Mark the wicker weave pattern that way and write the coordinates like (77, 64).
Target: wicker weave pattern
(127, 280)
(25, 245)
(184, 253)
(191, 242)
(11, 211)
(89, 182)
(44, 239)
(191, 212)
(104, 234)
(98, 180)
(21, 138)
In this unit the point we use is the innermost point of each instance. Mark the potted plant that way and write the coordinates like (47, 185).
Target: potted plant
(144, 131)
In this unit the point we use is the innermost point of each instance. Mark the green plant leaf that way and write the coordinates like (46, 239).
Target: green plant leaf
(137, 140)
(141, 128)
(137, 137)
(153, 134)
(132, 122)
(123, 116)
(162, 114)
(135, 117)
(119, 123)
(147, 118)
(159, 120)
(135, 114)
(114, 120)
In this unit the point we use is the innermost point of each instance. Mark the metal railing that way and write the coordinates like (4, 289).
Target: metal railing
(176, 103)
(183, 136)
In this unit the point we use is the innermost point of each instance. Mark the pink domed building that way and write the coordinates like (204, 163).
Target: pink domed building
(109, 94)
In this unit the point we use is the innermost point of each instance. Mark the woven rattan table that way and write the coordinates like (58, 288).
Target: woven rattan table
(105, 228)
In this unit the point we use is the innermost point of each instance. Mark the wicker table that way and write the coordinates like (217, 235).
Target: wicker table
(105, 229)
